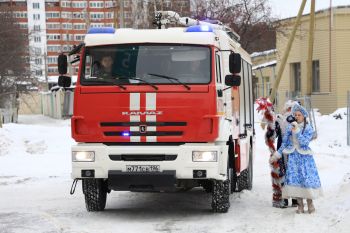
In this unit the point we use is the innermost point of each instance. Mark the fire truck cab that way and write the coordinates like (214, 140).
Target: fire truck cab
(162, 110)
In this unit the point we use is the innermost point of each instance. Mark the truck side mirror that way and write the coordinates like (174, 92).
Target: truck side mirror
(233, 80)
(62, 64)
(235, 63)
(64, 81)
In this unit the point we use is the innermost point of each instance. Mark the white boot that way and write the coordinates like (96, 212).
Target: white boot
(310, 206)
(300, 206)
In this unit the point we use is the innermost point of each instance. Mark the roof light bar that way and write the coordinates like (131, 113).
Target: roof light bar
(101, 30)
(199, 28)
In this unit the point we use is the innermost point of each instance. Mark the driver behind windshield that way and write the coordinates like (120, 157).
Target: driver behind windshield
(103, 68)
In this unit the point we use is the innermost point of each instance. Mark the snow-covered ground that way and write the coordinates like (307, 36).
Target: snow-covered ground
(35, 183)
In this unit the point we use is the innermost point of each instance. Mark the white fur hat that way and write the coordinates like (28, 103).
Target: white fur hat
(289, 104)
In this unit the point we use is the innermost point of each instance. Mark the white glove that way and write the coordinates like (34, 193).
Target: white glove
(295, 126)
(274, 157)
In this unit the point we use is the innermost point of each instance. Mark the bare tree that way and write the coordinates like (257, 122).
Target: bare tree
(251, 19)
(14, 59)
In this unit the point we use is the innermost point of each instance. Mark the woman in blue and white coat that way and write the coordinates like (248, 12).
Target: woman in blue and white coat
(301, 180)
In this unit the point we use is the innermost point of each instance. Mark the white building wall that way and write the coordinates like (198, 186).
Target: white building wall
(37, 29)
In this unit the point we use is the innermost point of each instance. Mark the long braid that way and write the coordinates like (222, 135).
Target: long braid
(304, 125)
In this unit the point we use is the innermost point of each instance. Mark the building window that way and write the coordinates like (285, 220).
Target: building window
(23, 26)
(79, 26)
(52, 60)
(66, 26)
(53, 26)
(38, 72)
(20, 14)
(109, 15)
(52, 15)
(53, 36)
(296, 77)
(97, 25)
(52, 70)
(95, 15)
(66, 15)
(65, 4)
(109, 4)
(37, 28)
(316, 76)
(80, 4)
(78, 15)
(53, 48)
(36, 16)
(36, 5)
(37, 39)
(37, 51)
(79, 37)
(96, 4)
(38, 61)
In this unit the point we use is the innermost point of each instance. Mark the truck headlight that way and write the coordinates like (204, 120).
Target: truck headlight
(204, 156)
(83, 156)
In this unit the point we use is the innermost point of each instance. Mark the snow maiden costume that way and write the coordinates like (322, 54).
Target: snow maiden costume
(302, 179)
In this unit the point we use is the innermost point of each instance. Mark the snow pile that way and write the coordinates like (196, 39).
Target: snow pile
(263, 53)
(37, 146)
(332, 135)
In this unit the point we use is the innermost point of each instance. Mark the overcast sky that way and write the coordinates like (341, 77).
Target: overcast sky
(290, 8)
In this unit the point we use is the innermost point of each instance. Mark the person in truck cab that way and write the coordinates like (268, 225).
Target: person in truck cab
(106, 66)
(103, 68)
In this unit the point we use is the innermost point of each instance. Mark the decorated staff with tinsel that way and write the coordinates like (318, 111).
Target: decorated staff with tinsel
(277, 167)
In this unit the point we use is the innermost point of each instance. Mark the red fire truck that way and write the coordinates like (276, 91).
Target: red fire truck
(162, 110)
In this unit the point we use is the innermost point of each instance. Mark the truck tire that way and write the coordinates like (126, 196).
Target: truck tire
(245, 180)
(221, 196)
(95, 192)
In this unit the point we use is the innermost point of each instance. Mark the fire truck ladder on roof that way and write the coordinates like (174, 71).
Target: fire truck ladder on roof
(164, 18)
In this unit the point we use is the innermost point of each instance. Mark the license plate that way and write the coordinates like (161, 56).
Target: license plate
(142, 168)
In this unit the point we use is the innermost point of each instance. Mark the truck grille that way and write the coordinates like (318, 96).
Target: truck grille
(142, 157)
(127, 124)
(147, 124)
(150, 133)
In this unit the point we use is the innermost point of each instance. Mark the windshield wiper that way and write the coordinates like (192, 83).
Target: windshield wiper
(171, 78)
(144, 81)
(104, 81)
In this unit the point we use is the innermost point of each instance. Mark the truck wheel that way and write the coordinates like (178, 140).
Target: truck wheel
(245, 180)
(221, 196)
(95, 192)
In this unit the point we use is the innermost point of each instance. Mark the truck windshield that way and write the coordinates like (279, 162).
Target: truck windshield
(146, 64)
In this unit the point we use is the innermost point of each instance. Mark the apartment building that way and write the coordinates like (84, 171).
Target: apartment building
(55, 26)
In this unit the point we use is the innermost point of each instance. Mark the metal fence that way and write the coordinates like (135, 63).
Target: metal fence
(8, 108)
(58, 104)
